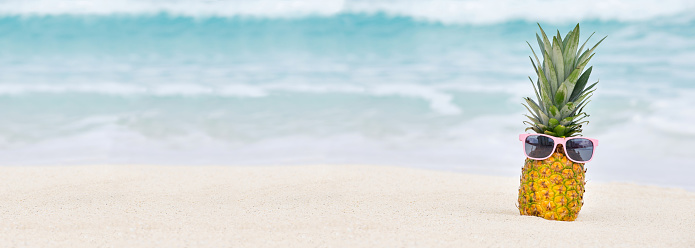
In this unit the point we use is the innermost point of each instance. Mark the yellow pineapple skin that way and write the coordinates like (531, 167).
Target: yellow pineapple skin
(552, 188)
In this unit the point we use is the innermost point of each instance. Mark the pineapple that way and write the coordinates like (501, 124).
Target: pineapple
(553, 188)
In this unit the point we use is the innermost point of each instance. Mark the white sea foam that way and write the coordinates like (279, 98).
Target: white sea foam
(438, 96)
(446, 11)
(674, 115)
(439, 101)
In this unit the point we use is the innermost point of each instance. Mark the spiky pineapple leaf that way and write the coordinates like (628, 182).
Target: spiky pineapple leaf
(538, 97)
(582, 105)
(533, 109)
(535, 129)
(580, 124)
(567, 110)
(558, 61)
(581, 83)
(591, 86)
(546, 42)
(570, 51)
(535, 90)
(544, 86)
(560, 88)
(528, 123)
(534, 52)
(579, 117)
(566, 39)
(534, 64)
(567, 121)
(559, 40)
(560, 95)
(541, 46)
(585, 95)
(583, 62)
(590, 51)
(544, 118)
(554, 112)
(581, 48)
(550, 74)
(533, 105)
(534, 120)
(567, 87)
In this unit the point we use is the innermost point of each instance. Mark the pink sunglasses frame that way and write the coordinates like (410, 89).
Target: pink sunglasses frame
(556, 140)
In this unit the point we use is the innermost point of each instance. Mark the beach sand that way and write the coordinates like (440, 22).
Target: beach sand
(317, 206)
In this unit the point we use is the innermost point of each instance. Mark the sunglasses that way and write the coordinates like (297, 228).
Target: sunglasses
(541, 146)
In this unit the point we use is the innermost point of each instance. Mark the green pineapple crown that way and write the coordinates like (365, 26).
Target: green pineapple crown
(560, 90)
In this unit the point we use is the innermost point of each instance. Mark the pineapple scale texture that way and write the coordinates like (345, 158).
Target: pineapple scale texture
(552, 188)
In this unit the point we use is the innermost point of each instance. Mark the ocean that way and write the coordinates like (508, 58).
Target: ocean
(435, 85)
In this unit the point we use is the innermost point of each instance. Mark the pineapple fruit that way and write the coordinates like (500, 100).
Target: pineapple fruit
(553, 188)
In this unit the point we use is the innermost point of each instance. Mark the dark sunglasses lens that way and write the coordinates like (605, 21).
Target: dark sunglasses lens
(580, 150)
(537, 146)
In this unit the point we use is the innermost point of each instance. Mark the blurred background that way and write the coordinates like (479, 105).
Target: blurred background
(426, 84)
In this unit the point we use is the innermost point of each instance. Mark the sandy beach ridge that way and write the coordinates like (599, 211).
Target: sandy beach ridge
(317, 206)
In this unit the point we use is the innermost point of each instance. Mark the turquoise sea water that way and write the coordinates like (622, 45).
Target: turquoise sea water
(435, 85)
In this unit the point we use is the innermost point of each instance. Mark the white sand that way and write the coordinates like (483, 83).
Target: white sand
(317, 206)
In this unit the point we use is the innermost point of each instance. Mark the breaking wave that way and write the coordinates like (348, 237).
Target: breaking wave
(444, 11)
